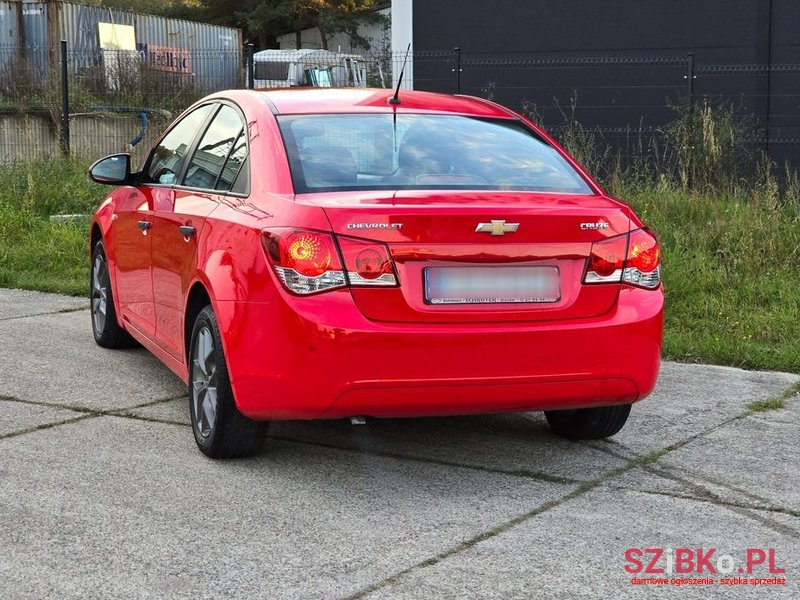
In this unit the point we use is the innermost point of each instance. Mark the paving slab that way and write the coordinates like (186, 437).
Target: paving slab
(115, 507)
(577, 550)
(661, 478)
(789, 414)
(757, 454)
(689, 399)
(18, 416)
(173, 411)
(56, 360)
(21, 303)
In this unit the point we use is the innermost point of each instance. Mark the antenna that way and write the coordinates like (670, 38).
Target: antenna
(395, 100)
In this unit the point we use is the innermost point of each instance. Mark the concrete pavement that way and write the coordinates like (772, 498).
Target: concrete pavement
(104, 495)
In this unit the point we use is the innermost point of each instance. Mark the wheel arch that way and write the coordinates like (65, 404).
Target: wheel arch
(95, 236)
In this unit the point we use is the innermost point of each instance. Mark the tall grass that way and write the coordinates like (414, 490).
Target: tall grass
(34, 253)
(730, 274)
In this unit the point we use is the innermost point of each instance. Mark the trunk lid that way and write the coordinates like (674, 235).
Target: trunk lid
(427, 230)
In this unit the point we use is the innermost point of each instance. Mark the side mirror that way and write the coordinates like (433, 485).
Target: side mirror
(112, 170)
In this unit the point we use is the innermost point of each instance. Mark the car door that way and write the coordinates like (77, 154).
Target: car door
(132, 243)
(178, 224)
(134, 220)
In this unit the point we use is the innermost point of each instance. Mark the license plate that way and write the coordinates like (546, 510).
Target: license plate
(492, 285)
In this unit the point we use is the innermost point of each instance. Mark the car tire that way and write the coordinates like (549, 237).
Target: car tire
(105, 327)
(588, 423)
(220, 430)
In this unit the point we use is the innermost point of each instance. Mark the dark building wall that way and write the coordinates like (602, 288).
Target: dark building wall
(717, 32)
(728, 29)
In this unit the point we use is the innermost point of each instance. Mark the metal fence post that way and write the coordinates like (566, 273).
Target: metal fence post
(690, 77)
(64, 100)
(251, 68)
(457, 69)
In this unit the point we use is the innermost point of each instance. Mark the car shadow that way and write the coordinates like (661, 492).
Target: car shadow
(518, 444)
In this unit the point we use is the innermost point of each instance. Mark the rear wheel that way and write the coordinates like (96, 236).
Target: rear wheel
(220, 430)
(106, 329)
(588, 423)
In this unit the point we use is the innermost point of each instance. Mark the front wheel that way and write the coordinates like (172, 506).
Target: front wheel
(220, 430)
(588, 423)
(106, 329)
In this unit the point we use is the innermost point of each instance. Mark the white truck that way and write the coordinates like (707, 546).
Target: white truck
(309, 68)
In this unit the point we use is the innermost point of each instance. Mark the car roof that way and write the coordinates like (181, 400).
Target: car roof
(341, 100)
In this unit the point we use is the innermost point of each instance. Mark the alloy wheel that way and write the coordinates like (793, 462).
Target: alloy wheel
(204, 383)
(100, 282)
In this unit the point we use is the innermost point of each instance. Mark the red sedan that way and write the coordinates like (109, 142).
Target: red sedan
(319, 254)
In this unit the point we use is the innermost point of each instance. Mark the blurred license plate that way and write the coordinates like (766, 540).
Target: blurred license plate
(491, 285)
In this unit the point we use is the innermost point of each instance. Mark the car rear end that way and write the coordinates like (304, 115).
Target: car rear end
(469, 289)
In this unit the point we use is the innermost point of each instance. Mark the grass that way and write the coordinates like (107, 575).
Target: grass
(730, 260)
(774, 403)
(730, 273)
(34, 253)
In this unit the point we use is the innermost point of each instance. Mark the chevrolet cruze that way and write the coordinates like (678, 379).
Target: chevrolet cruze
(321, 254)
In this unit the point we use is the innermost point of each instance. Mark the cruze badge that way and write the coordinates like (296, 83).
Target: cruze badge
(374, 225)
(497, 228)
(592, 226)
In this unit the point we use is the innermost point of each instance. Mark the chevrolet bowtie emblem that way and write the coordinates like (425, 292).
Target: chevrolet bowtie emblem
(497, 228)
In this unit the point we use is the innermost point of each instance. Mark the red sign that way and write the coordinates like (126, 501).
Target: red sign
(167, 58)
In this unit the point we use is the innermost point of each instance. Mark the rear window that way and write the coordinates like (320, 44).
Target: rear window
(343, 152)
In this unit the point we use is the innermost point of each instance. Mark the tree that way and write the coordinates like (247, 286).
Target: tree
(153, 7)
(267, 20)
(264, 20)
(334, 16)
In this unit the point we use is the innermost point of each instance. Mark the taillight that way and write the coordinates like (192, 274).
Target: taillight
(606, 260)
(308, 261)
(367, 263)
(643, 265)
(305, 261)
(633, 258)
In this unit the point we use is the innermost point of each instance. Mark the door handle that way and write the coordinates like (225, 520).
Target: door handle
(144, 225)
(187, 230)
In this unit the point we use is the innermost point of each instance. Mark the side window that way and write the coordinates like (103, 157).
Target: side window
(213, 152)
(242, 183)
(167, 158)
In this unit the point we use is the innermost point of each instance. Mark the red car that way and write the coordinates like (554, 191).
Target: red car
(320, 254)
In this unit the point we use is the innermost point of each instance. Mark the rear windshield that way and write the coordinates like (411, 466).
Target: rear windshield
(342, 152)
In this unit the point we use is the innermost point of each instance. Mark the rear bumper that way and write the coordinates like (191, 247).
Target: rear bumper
(318, 357)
